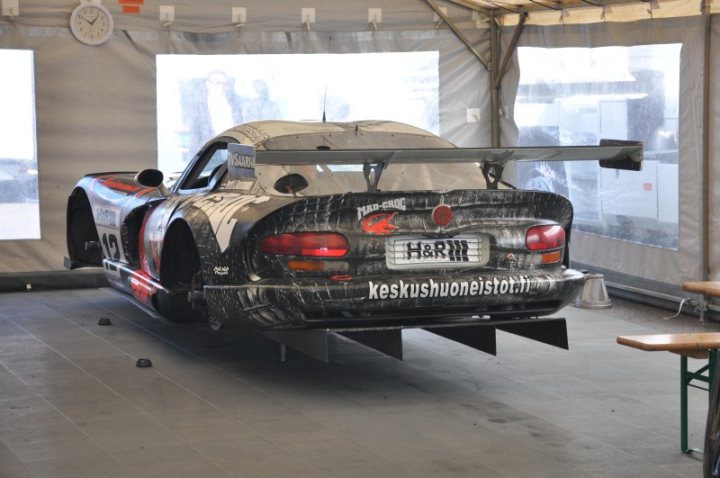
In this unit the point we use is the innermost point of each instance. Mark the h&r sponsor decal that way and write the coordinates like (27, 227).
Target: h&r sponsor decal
(107, 216)
(456, 250)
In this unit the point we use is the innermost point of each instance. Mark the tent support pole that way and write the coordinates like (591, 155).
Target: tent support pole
(458, 33)
(511, 48)
(494, 90)
(706, 144)
(499, 69)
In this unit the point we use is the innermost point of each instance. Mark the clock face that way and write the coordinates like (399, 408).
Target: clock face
(91, 23)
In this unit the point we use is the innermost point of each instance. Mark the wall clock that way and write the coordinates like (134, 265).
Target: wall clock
(91, 23)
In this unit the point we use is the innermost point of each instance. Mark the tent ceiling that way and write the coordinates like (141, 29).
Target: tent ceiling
(547, 12)
(353, 15)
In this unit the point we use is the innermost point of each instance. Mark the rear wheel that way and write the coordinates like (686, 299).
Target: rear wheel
(181, 275)
(82, 238)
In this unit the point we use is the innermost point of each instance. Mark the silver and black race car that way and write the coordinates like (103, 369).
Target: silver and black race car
(359, 228)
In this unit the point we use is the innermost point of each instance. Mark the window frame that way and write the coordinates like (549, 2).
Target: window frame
(192, 172)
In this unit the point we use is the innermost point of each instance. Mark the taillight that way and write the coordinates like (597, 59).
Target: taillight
(541, 238)
(312, 244)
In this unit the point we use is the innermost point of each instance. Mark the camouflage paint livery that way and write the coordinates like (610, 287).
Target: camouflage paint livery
(196, 251)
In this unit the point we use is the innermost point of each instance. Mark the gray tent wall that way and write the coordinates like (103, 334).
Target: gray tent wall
(95, 106)
(634, 266)
(714, 153)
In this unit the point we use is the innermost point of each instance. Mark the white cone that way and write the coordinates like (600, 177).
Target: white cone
(594, 295)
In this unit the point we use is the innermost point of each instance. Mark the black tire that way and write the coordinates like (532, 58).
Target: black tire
(82, 238)
(181, 275)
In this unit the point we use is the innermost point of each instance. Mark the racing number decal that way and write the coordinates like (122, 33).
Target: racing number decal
(111, 246)
(107, 222)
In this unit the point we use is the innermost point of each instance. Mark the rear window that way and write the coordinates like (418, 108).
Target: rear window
(339, 179)
(359, 140)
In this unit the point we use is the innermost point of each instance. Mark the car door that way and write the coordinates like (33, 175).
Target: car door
(199, 179)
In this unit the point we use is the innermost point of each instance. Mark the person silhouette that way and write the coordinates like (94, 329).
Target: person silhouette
(209, 106)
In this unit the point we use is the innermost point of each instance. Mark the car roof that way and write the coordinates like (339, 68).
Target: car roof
(302, 135)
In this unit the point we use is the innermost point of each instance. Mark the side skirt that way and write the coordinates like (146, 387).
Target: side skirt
(134, 282)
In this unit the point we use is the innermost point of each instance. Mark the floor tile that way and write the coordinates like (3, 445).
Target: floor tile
(72, 402)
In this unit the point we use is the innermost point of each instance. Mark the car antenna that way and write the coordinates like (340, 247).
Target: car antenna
(324, 102)
(326, 83)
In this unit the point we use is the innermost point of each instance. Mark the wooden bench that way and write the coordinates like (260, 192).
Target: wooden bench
(706, 289)
(696, 345)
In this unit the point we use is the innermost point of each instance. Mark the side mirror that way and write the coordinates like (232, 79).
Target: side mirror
(152, 178)
(291, 183)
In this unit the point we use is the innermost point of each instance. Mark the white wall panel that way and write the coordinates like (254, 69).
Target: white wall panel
(631, 260)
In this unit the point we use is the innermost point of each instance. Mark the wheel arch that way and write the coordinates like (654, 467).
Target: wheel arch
(180, 256)
(180, 275)
(83, 242)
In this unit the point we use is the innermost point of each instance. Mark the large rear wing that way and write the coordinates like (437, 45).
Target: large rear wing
(614, 154)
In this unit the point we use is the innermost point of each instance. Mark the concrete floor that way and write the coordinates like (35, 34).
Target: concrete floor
(73, 404)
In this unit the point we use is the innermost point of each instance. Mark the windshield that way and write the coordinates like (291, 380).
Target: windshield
(339, 179)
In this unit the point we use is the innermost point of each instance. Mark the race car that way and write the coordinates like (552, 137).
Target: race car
(362, 226)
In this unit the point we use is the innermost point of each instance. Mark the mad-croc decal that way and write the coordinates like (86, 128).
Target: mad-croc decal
(379, 223)
(391, 204)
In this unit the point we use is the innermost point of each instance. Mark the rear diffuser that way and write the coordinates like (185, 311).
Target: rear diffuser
(388, 340)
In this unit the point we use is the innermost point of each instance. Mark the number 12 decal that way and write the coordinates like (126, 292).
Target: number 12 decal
(111, 246)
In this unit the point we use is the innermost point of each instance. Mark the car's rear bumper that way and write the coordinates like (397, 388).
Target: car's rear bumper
(313, 302)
